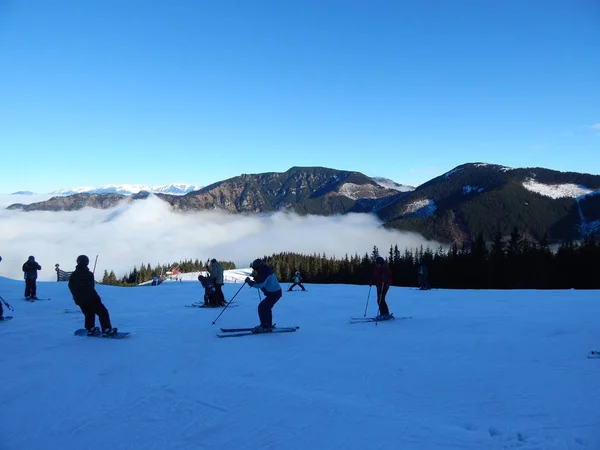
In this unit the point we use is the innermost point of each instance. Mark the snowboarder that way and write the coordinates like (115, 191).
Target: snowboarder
(423, 273)
(30, 270)
(82, 287)
(266, 281)
(297, 280)
(382, 277)
(215, 271)
(211, 298)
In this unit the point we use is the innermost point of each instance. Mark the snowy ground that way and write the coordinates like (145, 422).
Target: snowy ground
(471, 370)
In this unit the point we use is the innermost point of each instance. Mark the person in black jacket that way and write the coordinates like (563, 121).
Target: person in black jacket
(30, 268)
(82, 287)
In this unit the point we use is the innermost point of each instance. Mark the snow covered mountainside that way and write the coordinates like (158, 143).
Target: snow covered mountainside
(470, 371)
(130, 189)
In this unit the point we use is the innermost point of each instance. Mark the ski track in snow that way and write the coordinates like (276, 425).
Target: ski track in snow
(471, 370)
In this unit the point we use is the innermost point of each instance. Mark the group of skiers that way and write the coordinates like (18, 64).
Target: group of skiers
(82, 287)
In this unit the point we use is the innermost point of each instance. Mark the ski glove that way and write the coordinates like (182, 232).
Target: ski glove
(249, 281)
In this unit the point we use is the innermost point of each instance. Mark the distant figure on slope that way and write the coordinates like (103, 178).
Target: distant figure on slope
(423, 274)
(215, 271)
(82, 287)
(30, 269)
(382, 278)
(211, 298)
(297, 279)
(155, 280)
(266, 281)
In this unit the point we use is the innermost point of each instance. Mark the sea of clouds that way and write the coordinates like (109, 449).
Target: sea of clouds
(150, 231)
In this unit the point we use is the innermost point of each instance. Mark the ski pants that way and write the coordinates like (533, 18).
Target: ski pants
(296, 284)
(30, 287)
(219, 294)
(90, 309)
(265, 307)
(381, 293)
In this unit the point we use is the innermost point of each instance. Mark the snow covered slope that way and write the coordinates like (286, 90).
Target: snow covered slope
(471, 370)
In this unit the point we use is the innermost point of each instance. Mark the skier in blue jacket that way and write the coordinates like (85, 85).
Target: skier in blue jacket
(266, 281)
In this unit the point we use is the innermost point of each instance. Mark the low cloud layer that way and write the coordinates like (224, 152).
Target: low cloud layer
(148, 231)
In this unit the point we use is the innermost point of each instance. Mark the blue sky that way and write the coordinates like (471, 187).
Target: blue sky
(110, 92)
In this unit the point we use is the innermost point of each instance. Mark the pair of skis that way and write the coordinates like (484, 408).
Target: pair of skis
(235, 332)
(203, 306)
(375, 319)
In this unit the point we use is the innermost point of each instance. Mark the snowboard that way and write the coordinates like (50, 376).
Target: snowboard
(35, 300)
(117, 335)
(594, 354)
(6, 319)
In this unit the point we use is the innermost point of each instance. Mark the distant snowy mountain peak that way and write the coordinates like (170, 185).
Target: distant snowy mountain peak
(390, 184)
(130, 189)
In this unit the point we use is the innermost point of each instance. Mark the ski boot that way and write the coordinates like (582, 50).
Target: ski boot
(107, 332)
(92, 331)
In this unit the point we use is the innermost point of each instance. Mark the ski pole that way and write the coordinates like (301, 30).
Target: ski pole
(365, 314)
(229, 303)
(94, 271)
(7, 305)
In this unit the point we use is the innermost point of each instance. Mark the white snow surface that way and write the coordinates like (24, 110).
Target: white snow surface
(556, 190)
(390, 184)
(421, 208)
(358, 191)
(470, 370)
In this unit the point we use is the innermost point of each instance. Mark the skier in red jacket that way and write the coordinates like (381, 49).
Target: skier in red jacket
(382, 277)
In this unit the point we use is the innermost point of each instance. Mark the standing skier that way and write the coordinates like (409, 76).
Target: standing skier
(297, 279)
(82, 287)
(215, 271)
(266, 281)
(382, 277)
(30, 269)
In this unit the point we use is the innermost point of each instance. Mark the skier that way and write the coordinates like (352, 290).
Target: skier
(297, 279)
(30, 268)
(423, 273)
(82, 287)
(211, 298)
(266, 281)
(382, 277)
(215, 271)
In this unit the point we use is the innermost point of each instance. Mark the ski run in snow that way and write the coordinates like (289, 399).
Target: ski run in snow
(473, 370)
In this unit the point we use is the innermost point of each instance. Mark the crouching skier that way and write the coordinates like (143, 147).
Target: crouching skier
(266, 281)
(82, 287)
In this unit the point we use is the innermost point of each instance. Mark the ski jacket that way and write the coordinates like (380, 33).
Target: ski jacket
(297, 279)
(382, 276)
(208, 285)
(30, 268)
(266, 281)
(82, 285)
(216, 272)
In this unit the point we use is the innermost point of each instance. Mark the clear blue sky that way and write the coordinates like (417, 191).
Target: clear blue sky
(128, 91)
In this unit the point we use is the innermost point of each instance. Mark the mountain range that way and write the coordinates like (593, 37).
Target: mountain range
(471, 199)
(130, 189)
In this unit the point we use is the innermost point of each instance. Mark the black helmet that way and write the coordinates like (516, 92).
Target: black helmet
(83, 260)
(257, 264)
(379, 261)
(31, 258)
